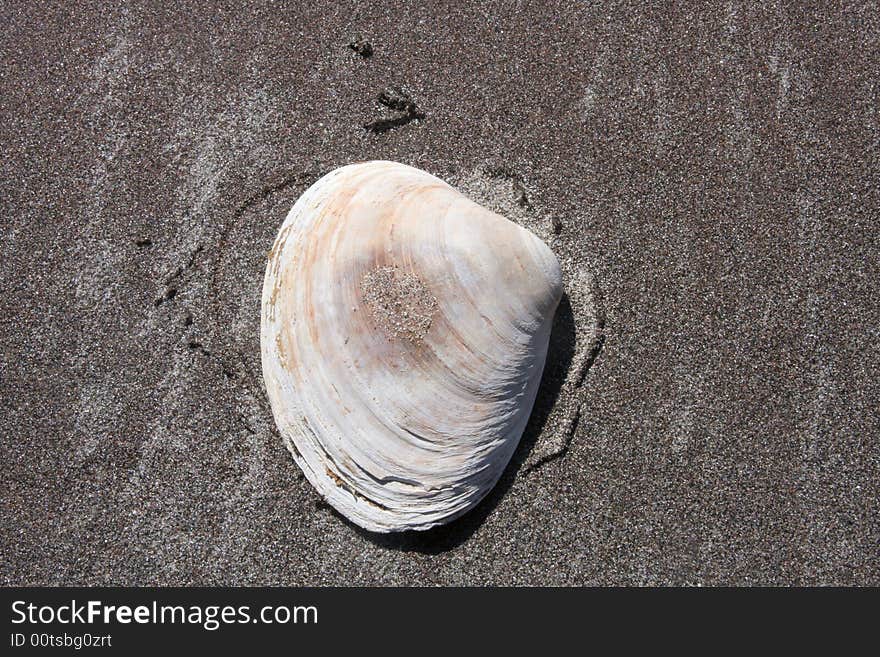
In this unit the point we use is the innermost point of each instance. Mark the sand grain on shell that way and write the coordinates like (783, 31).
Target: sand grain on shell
(398, 302)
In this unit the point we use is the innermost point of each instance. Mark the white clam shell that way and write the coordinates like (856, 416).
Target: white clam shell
(404, 332)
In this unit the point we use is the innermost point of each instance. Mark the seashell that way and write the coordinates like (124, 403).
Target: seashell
(404, 332)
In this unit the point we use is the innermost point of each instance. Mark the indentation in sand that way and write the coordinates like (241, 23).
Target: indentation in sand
(578, 328)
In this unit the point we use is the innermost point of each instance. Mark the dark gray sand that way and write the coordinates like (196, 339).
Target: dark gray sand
(708, 178)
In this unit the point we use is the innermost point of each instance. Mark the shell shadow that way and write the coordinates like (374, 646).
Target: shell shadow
(560, 354)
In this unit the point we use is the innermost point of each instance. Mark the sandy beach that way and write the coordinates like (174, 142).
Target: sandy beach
(708, 178)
